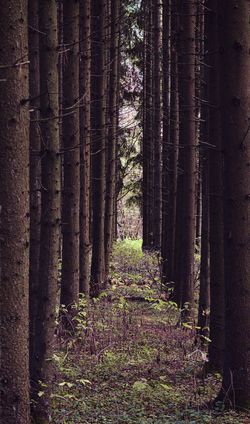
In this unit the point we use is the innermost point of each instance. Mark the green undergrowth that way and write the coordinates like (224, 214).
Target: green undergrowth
(129, 359)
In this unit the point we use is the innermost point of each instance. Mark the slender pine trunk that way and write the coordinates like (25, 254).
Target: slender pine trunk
(51, 207)
(217, 307)
(98, 114)
(85, 76)
(71, 141)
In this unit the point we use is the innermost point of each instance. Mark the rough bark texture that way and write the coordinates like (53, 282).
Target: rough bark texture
(51, 206)
(71, 141)
(236, 144)
(216, 347)
(112, 133)
(14, 207)
(35, 166)
(188, 135)
(98, 121)
(85, 72)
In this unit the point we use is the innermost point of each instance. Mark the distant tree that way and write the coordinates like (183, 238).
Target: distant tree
(14, 211)
(51, 207)
(71, 146)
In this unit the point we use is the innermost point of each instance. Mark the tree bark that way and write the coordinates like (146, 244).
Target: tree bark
(172, 151)
(35, 166)
(14, 208)
(203, 191)
(157, 142)
(204, 295)
(71, 141)
(112, 133)
(166, 87)
(51, 207)
(98, 121)
(236, 144)
(188, 141)
(85, 77)
(148, 198)
(217, 307)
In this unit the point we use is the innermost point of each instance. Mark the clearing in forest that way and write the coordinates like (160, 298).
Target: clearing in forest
(129, 358)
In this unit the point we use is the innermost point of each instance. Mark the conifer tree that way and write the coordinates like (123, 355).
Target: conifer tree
(14, 213)
(71, 141)
(235, 104)
(50, 210)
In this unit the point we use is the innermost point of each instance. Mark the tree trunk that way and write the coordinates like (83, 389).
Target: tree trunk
(217, 308)
(157, 125)
(148, 198)
(236, 145)
(35, 167)
(71, 141)
(204, 297)
(98, 110)
(203, 191)
(166, 58)
(14, 209)
(188, 141)
(112, 133)
(51, 206)
(85, 74)
(172, 151)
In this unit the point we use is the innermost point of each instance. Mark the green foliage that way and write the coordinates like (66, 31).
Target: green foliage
(130, 361)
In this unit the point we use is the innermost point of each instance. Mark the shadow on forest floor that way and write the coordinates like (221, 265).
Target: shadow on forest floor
(129, 361)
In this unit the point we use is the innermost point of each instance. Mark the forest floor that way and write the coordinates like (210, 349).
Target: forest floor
(130, 360)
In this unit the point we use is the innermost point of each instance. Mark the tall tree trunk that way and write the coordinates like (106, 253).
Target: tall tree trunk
(35, 166)
(112, 133)
(98, 110)
(85, 77)
(148, 198)
(14, 210)
(145, 200)
(71, 141)
(51, 206)
(236, 144)
(204, 297)
(166, 86)
(157, 125)
(203, 191)
(172, 150)
(188, 136)
(217, 308)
